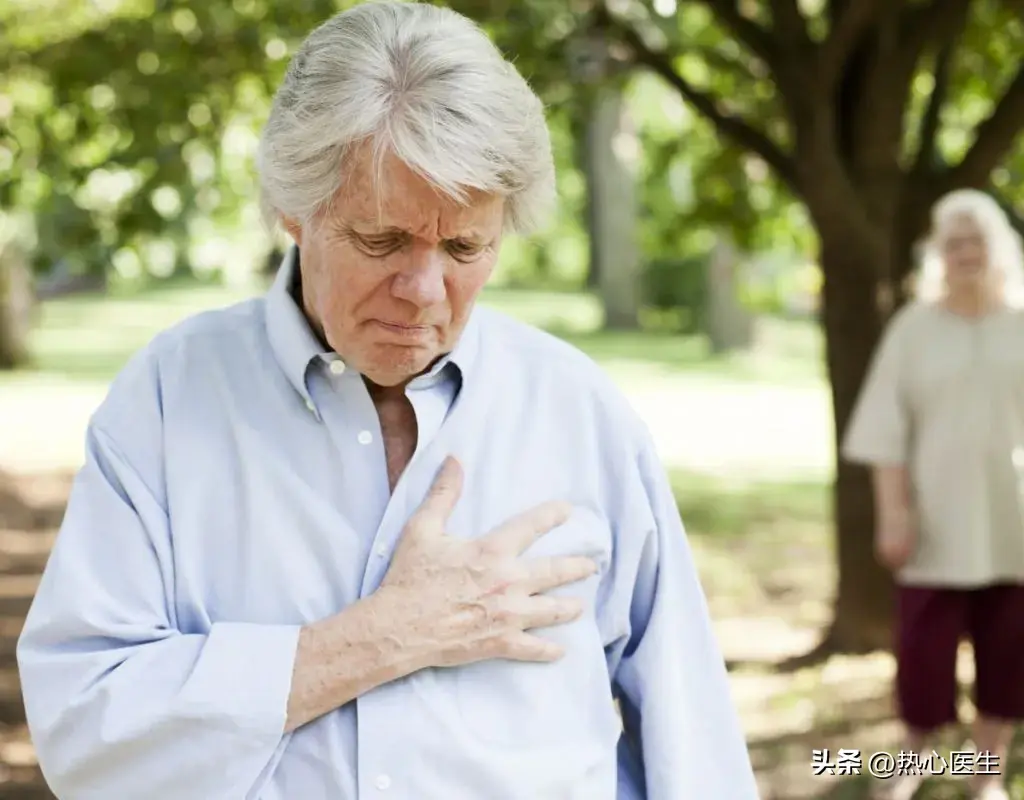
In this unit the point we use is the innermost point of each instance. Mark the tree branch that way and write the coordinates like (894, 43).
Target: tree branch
(790, 72)
(789, 22)
(734, 128)
(994, 137)
(939, 21)
(720, 61)
(847, 28)
(932, 117)
(747, 31)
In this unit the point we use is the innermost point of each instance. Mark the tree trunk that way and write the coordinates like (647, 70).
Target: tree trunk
(852, 322)
(17, 303)
(729, 324)
(579, 125)
(611, 177)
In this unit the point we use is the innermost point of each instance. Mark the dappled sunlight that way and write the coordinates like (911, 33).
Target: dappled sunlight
(30, 510)
(768, 572)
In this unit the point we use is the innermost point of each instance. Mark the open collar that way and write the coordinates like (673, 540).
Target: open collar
(296, 346)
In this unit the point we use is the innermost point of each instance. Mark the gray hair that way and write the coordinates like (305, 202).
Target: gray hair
(1003, 245)
(423, 83)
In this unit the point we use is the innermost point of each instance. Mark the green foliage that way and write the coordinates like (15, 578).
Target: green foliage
(128, 123)
(127, 127)
(984, 62)
(684, 158)
(558, 256)
(677, 289)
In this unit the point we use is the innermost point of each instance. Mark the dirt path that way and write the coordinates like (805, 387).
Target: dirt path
(30, 511)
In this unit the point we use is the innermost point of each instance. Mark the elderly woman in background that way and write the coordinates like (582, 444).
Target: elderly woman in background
(941, 422)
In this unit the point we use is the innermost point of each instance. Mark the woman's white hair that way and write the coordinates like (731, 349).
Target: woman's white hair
(1002, 243)
(423, 83)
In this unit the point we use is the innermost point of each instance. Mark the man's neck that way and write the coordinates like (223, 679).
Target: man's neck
(385, 394)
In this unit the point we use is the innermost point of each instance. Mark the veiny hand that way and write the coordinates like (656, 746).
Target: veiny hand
(895, 539)
(461, 601)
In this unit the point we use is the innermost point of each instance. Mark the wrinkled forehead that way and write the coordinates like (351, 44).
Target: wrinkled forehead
(381, 192)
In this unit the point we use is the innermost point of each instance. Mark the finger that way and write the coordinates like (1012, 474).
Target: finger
(443, 494)
(544, 611)
(544, 574)
(516, 534)
(521, 646)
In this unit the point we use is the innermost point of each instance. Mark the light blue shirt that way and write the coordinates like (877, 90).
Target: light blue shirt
(235, 488)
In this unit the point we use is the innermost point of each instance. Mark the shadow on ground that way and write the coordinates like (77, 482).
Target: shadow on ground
(30, 512)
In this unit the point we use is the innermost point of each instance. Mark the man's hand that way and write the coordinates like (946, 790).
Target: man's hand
(461, 601)
(896, 538)
(443, 602)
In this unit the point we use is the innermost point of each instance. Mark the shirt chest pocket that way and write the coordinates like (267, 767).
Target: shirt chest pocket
(527, 705)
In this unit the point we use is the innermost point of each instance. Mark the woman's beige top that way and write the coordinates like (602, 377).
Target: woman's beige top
(945, 396)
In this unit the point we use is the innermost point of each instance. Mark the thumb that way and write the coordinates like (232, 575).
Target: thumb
(442, 496)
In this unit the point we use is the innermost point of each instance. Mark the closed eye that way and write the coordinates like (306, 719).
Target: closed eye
(463, 250)
(379, 246)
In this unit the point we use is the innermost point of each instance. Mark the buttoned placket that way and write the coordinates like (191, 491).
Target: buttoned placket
(398, 508)
(346, 409)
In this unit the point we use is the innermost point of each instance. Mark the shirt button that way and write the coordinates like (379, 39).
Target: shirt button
(382, 550)
(383, 782)
(337, 367)
(364, 437)
(310, 406)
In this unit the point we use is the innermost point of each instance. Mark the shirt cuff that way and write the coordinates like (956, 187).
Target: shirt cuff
(243, 676)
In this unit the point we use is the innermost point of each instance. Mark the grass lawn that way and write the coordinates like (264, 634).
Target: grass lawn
(89, 337)
(759, 527)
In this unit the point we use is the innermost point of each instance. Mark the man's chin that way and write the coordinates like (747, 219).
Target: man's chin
(397, 365)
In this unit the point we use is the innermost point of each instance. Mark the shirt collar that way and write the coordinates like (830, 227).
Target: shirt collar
(291, 337)
(295, 345)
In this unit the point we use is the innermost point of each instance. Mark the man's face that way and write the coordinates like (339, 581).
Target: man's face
(391, 272)
(965, 254)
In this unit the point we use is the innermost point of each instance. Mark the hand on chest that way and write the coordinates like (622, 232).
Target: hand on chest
(312, 524)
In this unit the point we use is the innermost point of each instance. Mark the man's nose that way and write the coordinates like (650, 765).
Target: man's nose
(421, 282)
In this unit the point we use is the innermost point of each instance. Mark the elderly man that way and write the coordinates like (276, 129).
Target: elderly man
(358, 538)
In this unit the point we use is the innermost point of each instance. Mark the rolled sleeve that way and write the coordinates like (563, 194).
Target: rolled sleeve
(120, 702)
(878, 431)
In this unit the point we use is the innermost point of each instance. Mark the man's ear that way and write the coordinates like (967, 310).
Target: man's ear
(294, 228)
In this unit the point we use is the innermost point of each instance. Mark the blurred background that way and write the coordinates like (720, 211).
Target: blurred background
(742, 185)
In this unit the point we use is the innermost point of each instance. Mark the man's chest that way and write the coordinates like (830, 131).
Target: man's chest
(291, 526)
